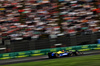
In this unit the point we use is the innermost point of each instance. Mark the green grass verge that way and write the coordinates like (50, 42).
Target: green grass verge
(73, 61)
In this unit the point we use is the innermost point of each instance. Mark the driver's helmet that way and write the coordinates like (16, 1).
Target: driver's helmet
(63, 51)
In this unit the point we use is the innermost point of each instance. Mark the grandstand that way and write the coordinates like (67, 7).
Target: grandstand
(39, 24)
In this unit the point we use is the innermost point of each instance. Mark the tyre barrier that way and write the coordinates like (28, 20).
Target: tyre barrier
(45, 51)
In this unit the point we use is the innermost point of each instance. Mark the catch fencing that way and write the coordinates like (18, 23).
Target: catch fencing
(44, 43)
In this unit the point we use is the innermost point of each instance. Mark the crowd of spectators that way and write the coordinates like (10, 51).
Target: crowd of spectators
(20, 19)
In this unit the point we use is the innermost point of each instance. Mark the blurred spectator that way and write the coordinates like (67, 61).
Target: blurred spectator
(42, 16)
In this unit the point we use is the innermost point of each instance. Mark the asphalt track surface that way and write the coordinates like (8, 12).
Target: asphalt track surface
(41, 58)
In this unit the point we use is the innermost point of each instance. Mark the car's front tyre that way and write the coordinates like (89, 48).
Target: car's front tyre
(49, 54)
(57, 55)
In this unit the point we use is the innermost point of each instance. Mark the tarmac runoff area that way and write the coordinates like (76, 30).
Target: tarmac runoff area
(41, 58)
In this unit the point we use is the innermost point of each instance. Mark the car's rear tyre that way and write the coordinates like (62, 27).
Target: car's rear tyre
(71, 54)
(79, 53)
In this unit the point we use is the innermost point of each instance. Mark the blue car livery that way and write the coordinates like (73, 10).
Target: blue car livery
(62, 54)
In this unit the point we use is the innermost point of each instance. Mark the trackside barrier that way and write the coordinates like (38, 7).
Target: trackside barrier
(45, 51)
(22, 54)
(7, 56)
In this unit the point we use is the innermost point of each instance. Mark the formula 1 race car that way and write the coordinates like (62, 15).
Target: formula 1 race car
(63, 53)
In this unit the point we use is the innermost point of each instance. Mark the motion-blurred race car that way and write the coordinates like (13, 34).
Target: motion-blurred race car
(63, 53)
